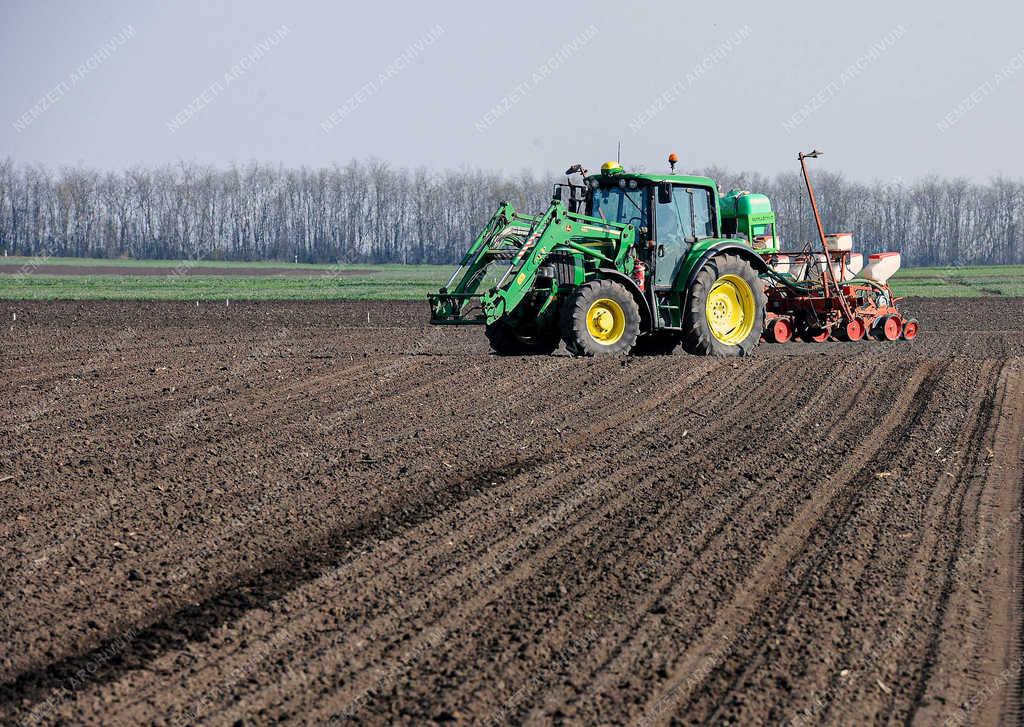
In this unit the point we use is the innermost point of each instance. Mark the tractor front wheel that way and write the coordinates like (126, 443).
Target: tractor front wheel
(601, 319)
(724, 315)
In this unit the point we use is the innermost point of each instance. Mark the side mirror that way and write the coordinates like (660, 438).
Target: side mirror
(664, 192)
(556, 193)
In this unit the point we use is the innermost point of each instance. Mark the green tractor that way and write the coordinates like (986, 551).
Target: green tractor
(620, 262)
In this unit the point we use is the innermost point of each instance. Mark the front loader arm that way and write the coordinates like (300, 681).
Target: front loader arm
(500, 220)
(557, 230)
(458, 301)
(525, 242)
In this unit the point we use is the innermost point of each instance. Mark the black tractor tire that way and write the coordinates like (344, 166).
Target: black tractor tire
(613, 316)
(732, 272)
(656, 344)
(508, 340)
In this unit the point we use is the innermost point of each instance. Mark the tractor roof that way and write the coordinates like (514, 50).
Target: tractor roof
(675, 178)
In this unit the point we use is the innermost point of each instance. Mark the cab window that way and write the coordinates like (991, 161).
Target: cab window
(614, 204)
(702, 213)
(673, 221)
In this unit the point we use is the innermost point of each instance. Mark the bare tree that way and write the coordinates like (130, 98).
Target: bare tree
(369, 211)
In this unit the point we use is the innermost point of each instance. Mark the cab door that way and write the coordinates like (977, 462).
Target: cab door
(673, 233)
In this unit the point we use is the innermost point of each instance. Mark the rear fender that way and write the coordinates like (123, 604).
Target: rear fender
(743, 251)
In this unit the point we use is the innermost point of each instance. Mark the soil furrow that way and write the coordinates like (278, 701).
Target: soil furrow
(567, 503)
(795, 544)
(285, 511)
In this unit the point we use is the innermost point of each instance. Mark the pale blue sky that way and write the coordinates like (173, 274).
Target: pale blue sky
(722, 105)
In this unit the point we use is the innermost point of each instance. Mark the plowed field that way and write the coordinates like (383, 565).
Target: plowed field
(335, 512)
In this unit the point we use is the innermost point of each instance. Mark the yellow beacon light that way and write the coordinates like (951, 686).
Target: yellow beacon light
(611, 168)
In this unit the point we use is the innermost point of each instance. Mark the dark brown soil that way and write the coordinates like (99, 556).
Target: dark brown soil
(322, 512)
(184, 269)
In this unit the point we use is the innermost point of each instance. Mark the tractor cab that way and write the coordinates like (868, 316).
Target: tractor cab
(671, 213)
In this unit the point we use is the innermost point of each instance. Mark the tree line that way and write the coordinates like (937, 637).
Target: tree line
(371, 211)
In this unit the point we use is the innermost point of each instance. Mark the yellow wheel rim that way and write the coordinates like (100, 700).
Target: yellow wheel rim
(606, 321)
(730, 309)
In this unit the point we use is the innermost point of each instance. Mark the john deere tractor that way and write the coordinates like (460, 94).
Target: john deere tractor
(620, 262)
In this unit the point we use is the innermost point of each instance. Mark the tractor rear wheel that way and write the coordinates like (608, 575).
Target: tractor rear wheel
(508, 340)
(601, 319)
(724, 314)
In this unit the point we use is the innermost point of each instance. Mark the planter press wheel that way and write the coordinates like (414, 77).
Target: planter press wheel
(888, 328)
(779, 331)
(853, 330)
(816, 335)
